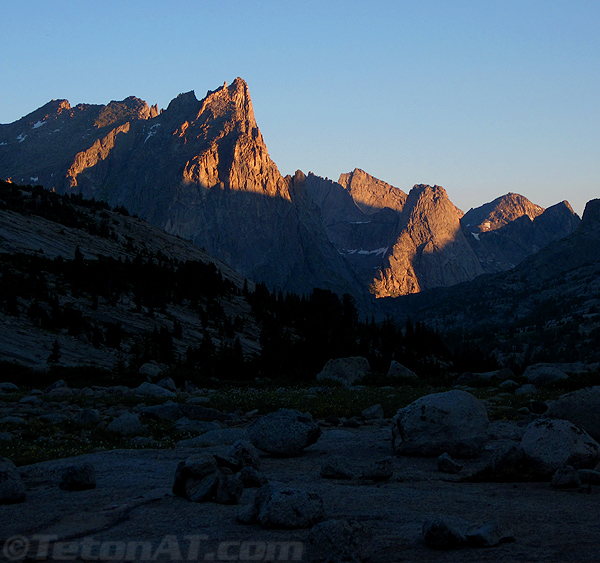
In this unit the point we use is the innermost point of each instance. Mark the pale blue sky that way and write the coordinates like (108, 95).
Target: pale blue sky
(481, 97)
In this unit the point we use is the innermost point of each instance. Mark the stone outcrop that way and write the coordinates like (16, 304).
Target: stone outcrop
(347, 371)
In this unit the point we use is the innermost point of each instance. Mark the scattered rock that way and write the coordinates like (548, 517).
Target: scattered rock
(446, 464)
(12, 490)
(581, 408)
(78, 477)
(549, 444)
(347, 371)
(339, 540)
(8, 387)
(455, 422)
(128, 424)
(167, 411)
(284, 433)
(444, 534)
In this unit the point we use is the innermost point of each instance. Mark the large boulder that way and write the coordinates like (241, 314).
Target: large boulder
(544, 374)
(347, 371)
(548, 444)
(12, 489)
(581, 408)
(284, 433)
(453, 422)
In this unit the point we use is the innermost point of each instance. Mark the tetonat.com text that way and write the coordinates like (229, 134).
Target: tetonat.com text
(168, 548)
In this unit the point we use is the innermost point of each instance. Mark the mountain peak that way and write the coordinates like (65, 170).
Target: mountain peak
(371, 194)
(504, 209)
(591, 214)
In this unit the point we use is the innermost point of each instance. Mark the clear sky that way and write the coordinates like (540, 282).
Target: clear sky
(481, 97)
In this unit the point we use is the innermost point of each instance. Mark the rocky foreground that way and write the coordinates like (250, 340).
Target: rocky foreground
(436, 482)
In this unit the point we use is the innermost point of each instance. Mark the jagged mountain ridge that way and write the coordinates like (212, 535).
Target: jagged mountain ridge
(547, 304)
(200, 169)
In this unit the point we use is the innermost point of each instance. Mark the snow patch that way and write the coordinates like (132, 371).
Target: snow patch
(3, 144)
(362, 252)
(475, 236)
(32, 179)
(152, 131)
(38, 124)
(21, 137)
(359, 222)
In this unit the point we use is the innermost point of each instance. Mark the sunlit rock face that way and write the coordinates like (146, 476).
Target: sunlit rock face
(507, 230)
(430, 249)
(199, 169)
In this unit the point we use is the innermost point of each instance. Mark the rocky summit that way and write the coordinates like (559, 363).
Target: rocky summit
(200, 169)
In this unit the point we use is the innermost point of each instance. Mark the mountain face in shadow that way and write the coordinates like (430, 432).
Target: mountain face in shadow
(200, 169)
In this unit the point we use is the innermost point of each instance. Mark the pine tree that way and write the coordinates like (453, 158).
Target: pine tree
(54, 356)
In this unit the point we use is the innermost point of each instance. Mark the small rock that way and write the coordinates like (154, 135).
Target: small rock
(87, 417)
(12, 490)
(537, 407)
(251, 478)
(284, 433)
(566, 478)
(153, 390)
(441, 534)
(128, 424)
(398, 371)
(489, 535)
(379, 470)
(222, 437)
(229, 487)
(246, 454)
(446, 464)
(339, 540)
(8, 387)
(184, 424)
(168, 383)
(527, 389)
(78, 477)
(288, 508)
(347, 371)
(336, 468)
(373, 413)
(589, 476)
(61, 383)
